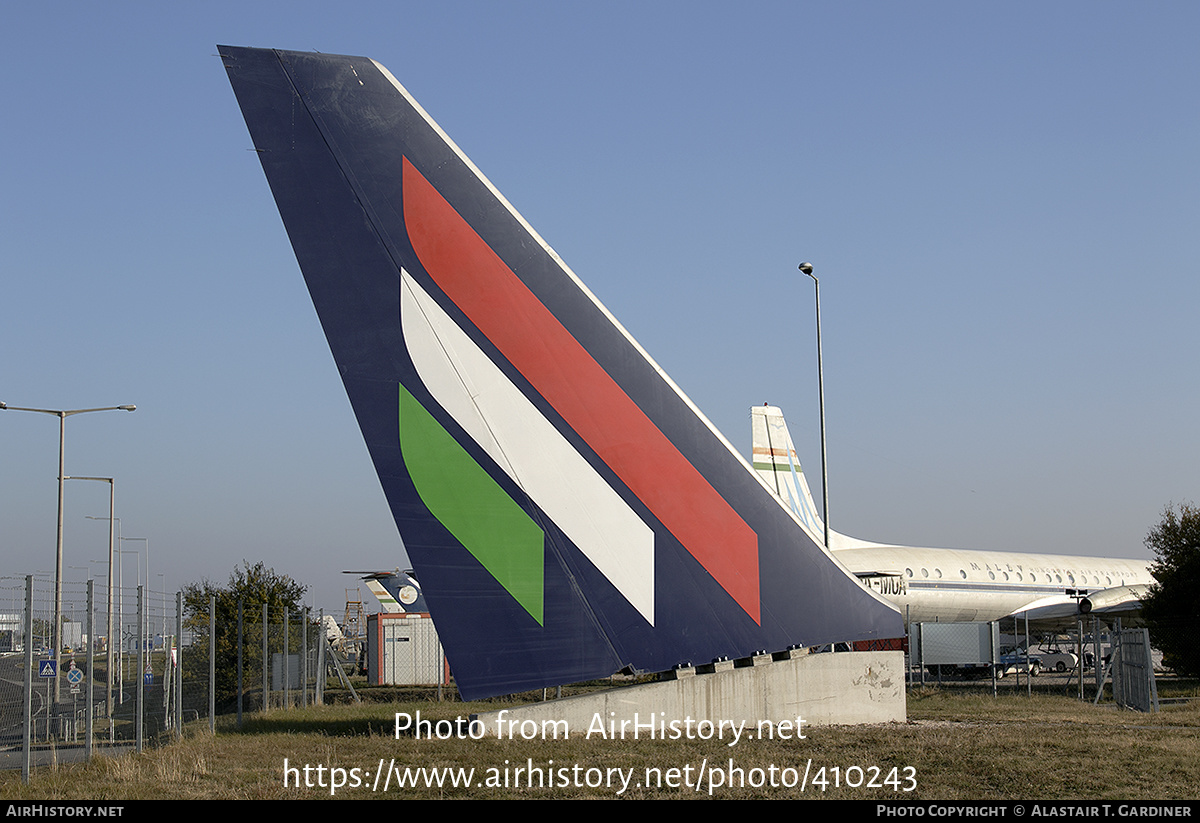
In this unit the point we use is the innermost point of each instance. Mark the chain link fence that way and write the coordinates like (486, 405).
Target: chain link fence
(131, 672)
(238, 659)
(1079, 662)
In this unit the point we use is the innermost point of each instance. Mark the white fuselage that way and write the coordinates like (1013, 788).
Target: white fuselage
(952, 585)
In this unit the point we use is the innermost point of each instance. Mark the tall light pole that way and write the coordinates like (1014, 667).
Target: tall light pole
(807, 268)
(62, 415)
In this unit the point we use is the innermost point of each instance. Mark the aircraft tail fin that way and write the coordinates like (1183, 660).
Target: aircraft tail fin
(567, 509)
(397, 592)
(776, 462)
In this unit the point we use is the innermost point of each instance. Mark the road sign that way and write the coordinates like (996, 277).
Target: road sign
(48, 668)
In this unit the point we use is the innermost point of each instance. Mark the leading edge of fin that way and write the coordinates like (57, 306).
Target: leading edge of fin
(568, 511)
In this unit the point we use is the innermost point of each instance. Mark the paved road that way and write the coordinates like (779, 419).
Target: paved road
(12, 721)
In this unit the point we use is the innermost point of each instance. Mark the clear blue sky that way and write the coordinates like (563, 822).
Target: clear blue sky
(1001, 202)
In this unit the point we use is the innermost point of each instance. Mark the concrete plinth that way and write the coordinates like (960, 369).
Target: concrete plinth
(847, 688)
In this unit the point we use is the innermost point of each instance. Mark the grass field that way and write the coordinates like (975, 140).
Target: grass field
(956, 745)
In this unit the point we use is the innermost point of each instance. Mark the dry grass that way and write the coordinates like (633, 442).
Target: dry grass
(958, 746)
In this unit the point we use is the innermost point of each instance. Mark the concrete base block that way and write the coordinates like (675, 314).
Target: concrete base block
(849, 688)
(756, 660)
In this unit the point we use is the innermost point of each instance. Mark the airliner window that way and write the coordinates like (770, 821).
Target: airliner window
(908, 572)
(938, 572)
(925, 573)
(963, 573)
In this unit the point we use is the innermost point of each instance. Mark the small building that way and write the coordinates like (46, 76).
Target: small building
(403, 650)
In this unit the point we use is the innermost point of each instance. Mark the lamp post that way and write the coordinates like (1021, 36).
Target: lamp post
(62, 415)
(807, 268)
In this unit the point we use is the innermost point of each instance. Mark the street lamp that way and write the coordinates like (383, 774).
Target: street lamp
(62, 416)
(807, 268)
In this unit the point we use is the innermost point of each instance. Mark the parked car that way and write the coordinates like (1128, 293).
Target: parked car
(1009, 663)
(1016, 661)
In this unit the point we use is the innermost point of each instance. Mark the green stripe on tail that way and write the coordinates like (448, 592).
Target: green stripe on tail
(472, 506)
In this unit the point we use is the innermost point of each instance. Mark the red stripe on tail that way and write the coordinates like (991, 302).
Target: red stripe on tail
(553, 361)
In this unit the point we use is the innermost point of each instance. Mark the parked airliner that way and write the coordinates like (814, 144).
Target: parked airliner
(954, 585)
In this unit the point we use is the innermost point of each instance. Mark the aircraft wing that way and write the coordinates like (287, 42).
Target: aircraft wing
(1055, 609)
(1120, 601)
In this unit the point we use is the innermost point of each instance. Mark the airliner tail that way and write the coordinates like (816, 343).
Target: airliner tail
(568, 511)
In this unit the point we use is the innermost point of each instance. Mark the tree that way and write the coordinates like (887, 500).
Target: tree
(252, 586)
(1171, 607)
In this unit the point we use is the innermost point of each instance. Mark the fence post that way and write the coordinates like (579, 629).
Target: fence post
(91, 669)
(141, 670)
(179, 663)
(321, 658)
(287, 667)
(265, 661)
(304, 657)
(25, 743)
(212, 662)
(240, 690)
